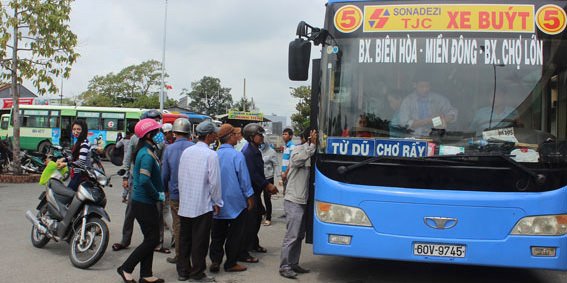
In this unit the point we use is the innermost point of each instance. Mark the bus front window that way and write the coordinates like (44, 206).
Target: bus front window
(449, 104)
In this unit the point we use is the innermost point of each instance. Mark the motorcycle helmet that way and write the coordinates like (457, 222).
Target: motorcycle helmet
(182, 125)
(251, 130)
(152, 114)
(145, 126)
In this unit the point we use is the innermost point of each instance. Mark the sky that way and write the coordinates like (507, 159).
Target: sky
(229, 40)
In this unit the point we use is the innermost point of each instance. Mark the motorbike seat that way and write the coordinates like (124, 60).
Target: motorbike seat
(60, 189)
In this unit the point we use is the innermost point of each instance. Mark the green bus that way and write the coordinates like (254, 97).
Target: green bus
(44, 125)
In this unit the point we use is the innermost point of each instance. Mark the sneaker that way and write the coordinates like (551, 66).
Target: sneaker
(299, 269)
(288, 273)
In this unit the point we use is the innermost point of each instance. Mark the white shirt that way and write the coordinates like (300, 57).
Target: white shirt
(199, 181)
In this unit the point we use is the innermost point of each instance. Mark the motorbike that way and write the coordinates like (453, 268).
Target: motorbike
(5, 155)
(75, 217)
(32, 162)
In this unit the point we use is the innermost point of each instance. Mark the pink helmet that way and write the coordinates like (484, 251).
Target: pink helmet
(145, 126)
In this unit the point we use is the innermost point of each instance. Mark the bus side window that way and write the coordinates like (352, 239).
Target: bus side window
(5, 121)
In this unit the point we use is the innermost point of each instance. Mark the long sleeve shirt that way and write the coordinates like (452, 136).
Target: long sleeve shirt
(83, 158)
(255, 165)
(147, 176)
(297, 189)
(199, 181)
(271, 164)
(170, 166)
(127, 162)
(235, 182)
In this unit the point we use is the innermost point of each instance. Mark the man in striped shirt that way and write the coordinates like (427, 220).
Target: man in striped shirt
(287, 136)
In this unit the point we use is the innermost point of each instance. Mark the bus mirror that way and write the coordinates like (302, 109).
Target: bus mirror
(299, 56)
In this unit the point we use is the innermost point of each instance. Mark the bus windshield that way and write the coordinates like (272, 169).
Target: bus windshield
(439, 93)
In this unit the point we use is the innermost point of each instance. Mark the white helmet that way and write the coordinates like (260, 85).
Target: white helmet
(167, 127)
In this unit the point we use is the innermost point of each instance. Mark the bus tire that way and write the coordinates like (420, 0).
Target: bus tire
(43, 147)
(108, 152)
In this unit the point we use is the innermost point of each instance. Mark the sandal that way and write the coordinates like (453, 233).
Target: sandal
(249, 260)
(163, 250)
(267, 223)
(118, 246)
(260, 249)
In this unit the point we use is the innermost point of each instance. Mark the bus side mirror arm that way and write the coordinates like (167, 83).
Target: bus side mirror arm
(300, 50)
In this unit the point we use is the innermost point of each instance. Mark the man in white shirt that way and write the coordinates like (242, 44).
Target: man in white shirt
(199, 197)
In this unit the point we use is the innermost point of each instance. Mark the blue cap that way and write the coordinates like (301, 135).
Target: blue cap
(206, 127)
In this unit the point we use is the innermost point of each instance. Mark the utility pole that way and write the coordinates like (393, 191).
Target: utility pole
(244, 97)
(61, 92)
(162, 91)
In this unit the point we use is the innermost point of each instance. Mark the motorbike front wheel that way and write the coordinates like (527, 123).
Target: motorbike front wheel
(84, 254)
(38, 239)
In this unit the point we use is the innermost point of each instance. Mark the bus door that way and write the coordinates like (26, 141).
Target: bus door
(65, 140)
(4, 123)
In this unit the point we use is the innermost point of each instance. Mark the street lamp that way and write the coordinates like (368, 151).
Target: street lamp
(162, 91)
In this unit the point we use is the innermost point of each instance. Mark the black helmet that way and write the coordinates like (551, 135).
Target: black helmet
(251, 130)
(152, 114)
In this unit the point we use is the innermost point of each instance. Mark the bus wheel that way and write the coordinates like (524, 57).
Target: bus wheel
(44, 147)
(108, 151)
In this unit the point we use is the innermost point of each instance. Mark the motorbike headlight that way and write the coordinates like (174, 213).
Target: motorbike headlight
(341, 214)
(101, 178)
(546, 225)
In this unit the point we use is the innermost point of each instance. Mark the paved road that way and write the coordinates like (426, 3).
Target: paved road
(21, 262)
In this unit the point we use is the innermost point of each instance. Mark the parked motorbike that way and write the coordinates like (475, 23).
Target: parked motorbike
(75, 217)
(32, 162)
(5, 155)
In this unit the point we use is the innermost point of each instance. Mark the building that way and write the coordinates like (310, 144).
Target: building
(277, 125)
(26, 97)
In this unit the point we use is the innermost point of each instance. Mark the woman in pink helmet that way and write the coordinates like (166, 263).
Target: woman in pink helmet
(147, 191)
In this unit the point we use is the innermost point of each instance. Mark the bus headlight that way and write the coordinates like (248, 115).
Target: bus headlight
(547, 225)
(341, 214)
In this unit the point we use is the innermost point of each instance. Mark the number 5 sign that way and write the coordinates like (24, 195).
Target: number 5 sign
(551, 19)
(348, 19)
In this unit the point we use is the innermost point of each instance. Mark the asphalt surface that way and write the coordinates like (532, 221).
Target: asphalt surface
(21, 262)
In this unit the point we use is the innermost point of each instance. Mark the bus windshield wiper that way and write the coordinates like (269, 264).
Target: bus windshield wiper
(539, 179)
(345, 169)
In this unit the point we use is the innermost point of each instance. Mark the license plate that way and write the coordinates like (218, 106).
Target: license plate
(439, 250)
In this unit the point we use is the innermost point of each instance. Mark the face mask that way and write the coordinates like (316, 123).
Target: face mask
(158, 138)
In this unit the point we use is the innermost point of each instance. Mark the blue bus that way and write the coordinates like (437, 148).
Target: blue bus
(442, 131)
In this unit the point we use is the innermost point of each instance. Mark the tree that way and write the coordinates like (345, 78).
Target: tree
(42, 49)
(300, 120)
(245, 105)
(209, 97)
(134, 86)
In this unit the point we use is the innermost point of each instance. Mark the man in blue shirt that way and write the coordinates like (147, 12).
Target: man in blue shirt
(237, 195)
(254, 134)
(169, 173)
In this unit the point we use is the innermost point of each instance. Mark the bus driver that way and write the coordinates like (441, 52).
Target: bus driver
(423, 109)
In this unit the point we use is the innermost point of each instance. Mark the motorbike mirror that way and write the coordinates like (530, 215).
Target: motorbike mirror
(121, 172)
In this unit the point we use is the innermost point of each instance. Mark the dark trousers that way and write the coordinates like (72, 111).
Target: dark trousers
(227, 232)
(193, 245)
(128, 226)
(252, 225)
(268, 201)
(174, 204)
(147, 217)
(161, 222)
(76, 181)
